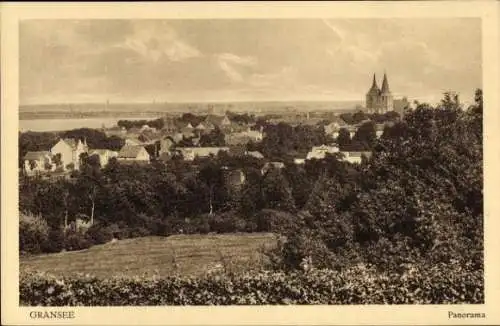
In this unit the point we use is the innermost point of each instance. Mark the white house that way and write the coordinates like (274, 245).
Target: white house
(319, 152)
(70, 150)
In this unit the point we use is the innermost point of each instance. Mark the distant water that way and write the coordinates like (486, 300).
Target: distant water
(69, 124)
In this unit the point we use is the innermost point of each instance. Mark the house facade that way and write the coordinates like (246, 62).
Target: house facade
(37, 162)
(190, 153)
(70, 151)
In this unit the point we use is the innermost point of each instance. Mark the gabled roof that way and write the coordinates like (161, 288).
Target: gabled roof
(35, 156)
(130, 151)
(70, 141)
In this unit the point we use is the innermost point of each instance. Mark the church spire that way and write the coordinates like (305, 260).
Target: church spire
(385, 85)
(374, 89)
(374, 84)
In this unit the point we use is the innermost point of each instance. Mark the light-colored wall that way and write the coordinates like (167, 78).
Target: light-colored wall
(143, 155)
(67, 155)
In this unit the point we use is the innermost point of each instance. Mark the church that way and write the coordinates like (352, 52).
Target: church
(381, 100)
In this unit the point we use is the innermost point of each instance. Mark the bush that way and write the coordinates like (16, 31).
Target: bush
(76, 241)
(291, 252)
(99, 234)
(425, 284)
(55, 242)
(269, 220)
(137, 232)
(33, 233)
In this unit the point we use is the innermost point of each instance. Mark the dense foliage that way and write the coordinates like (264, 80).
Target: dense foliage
(437, 284)
(417, 200)
(129, 124)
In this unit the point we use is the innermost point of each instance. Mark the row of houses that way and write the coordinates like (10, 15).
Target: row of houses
(65, 156)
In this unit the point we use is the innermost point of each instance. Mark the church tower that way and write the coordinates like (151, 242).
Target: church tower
(386, 99)
(372, 97)
(379, 100)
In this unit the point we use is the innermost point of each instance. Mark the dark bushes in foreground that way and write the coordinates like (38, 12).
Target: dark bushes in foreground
(437, 284)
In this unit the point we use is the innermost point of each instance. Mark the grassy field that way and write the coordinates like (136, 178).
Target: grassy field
(182, 254)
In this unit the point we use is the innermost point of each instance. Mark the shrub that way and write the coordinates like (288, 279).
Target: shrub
(420, 284)
(55, 241)
(140, 231)
(76, 241)
(290, 252)
(269, 220)
(33, 233)
(99, 234)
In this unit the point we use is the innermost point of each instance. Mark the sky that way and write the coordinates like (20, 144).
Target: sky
(71, 61)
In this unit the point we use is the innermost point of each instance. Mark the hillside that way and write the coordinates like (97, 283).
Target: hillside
(193, 255)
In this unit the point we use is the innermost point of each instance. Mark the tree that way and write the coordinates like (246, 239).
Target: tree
(366, 134)
(276, 191)
(213, 139)
(57, 159)
(343, 139)
(358, 117)
(211, 175)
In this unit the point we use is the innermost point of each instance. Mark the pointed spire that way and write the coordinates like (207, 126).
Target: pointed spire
(374, 90)
(385, 85)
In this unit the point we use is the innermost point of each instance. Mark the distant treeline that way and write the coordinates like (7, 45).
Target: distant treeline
(129, 124)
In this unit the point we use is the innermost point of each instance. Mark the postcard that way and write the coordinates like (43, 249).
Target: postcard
(250, 163)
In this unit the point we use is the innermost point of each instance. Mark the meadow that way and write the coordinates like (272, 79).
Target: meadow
(191, 255)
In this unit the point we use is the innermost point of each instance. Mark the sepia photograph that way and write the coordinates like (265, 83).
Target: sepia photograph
(250, 161)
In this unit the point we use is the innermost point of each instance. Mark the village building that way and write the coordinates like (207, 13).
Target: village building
(401, 105)
(130, 153)
(299, 161)
(218, 121)
(319, 152)
(190, 153)
(104, 155)
(356, 157)
(70, 151)
(132, 142)
(36, 162)
(243, 137)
